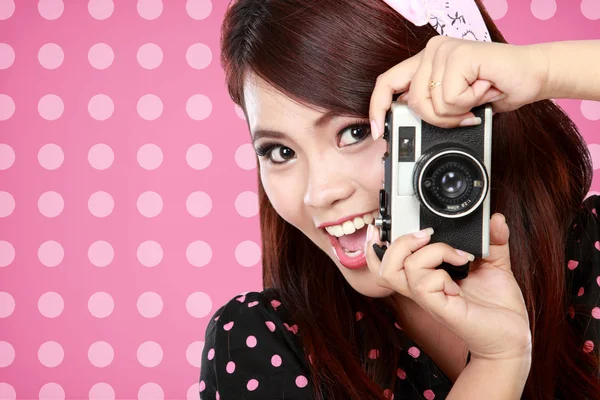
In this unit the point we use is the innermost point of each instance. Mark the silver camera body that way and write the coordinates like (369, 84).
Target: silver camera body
(440, 178)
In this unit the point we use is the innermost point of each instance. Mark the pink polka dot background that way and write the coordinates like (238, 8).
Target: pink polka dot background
(125, 218)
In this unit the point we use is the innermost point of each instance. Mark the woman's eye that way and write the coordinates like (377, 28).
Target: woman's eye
(356, 132)
(281, 152)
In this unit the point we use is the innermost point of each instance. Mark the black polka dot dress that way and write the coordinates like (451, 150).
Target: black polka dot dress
(252, 351)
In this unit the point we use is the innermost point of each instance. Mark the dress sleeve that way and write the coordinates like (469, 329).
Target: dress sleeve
(583, 274)
(251, 353)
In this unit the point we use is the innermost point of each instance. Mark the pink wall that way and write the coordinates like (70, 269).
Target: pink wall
(128, 207)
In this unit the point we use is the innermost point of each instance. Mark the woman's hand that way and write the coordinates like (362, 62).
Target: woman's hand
(471, 72)
(486, 309)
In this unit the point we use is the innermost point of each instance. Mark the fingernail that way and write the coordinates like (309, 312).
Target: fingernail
(374, 130)
(466, 255)
(470, 121)
(369, 232)
(423, 233)
(499, 97)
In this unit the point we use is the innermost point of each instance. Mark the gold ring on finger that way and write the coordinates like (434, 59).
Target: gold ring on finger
(434, 84)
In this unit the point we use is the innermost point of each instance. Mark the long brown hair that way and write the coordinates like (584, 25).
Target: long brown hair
(328, 53)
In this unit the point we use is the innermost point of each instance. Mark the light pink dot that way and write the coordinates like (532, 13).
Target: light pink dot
(149, 9)
(401, 373)
(252, 385)
(7, 392)
(572, 264)
(597, 245)
(198, 253)
(51, 354)
(100, 9)
(100, 156)
(151, 391)
(414, 352)
(198, 304)
(7, 354)
(51, 156)
(230, 368)
(543, 10)
(591, 109)
(596, 312)
(149, 156)
(149, 107)
(246, 204)
(149, 204)
(373, 354)
(101, 391)
(198, 107)
(149, 253)
(192, 393)
(101, 304)
(251, 341)
(198, 156)
(193, 353)
(198, 9)
(202, 386)
(7, 204)
(590, 9)
(247, 253)
(149, 354)
(51, 391)
(198, 204)
(101, 204)
(7, 107)
(497, 9)
(581, 291)
(51, 107)
(101, 253)
(51, 304)
(301, 381)
(211, 354)
(101, 56)
(276, 360)
(101, 354)
(198, 56)
(51, 56)
(7, 306)
(239, 112)
(245, 157)
(150, 304)
(588, 346)
(7, 55)
(51, 204)
(51, 253)
(7, 8)
(7, 156)
(101, 107)
(7, 253)
(51, 9)
(428, 394)
(594, 149)
(149, 56)
(269, 324)
(597, 279)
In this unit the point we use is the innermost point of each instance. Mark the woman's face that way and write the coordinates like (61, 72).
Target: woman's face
(317, 173)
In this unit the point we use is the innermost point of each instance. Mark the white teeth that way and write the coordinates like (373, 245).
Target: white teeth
(349, 227)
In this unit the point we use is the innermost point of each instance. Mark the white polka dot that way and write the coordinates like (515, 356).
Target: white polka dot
(7, 156)
(149, 107)
(51, 391)
(246, 204)
(198, 107)
(245, 157)
(101, 391)
(149, 56)
(101, 253)
(198, 156)
(247, 253)
(101, 107)
(51, 204)
(7, 8)
(101, 204)
(51, 304)
(101, 56)
(7, 306)
(101, 156)
(7, 55)
(150, 156)
(198, 9)
(590, 9)
(149, 253)
(7, 253)
(198, 253)
(101, 10)
(7, 392)
(101, 354)
(101, 304)
(192, 393)
(149, 354)
(594, 150)
(193, 353)
(7, 354)
(51, 253)
(151, 391)
(51, 156)
(198, 204)
(51, 56)
(149, 204)
(198, 304)
(51, 107)
(7, 204)
(7, 107)
(591, 109)
(51, 354)
(149, 9)
(149, 304)
(198, 56)
(239, 112)
(543, 10)
(50, 9)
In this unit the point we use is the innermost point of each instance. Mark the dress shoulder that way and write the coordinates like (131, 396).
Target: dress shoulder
(252, 352)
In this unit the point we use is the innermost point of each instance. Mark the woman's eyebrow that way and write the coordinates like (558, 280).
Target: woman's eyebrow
(322, 120)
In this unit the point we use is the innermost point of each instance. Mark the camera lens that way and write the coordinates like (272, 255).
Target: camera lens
(451, 184)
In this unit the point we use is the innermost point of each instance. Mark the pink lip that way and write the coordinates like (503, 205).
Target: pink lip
(342, 220)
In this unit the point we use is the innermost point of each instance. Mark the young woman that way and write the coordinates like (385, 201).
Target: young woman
(314, 79)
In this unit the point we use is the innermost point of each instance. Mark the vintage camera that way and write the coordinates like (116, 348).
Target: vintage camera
(437, 177)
